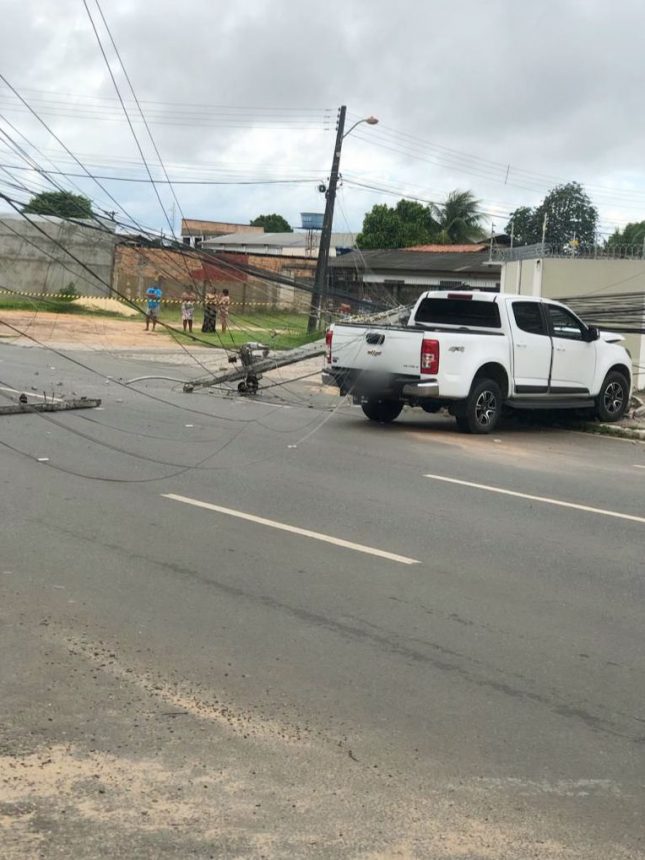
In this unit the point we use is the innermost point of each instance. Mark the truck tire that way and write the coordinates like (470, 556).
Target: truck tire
(613, 399)
(482, 409)
(382, 411)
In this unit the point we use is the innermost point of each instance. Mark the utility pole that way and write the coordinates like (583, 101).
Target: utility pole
(320, 283)
(544, 223)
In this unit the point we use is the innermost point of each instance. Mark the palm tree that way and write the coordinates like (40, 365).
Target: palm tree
(458, 218)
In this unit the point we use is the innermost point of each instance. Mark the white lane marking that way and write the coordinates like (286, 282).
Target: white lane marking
(639, 467)
(285, 527)
(544, 499)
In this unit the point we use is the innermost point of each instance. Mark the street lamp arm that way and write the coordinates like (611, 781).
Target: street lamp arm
(370, 120)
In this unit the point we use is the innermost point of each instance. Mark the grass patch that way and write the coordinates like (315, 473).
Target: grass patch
(234, 338)
(53, 306)
(277, 329)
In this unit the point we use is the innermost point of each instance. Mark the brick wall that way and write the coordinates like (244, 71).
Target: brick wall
(136, 268)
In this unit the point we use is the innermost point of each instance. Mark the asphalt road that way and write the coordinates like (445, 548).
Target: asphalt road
(466, 680)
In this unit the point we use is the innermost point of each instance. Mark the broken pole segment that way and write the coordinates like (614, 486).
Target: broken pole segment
(290, 356)
(51, 405)
(263, 365)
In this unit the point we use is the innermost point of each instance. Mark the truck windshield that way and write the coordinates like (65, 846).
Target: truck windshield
(463, 312)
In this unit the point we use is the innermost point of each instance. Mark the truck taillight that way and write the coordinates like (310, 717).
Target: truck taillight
(429, 356)
(328, 338)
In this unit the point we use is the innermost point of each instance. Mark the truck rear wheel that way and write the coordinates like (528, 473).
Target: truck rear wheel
(482, 408)
(613, 400)
(382, 411)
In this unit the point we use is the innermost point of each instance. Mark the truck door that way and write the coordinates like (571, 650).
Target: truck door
(574, 358)
(531, 348)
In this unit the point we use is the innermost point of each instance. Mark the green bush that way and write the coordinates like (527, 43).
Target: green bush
(69, 293)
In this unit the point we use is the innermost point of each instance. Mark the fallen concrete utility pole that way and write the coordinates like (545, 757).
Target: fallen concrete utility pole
(251, 369)
(50, 405)
(249, 373)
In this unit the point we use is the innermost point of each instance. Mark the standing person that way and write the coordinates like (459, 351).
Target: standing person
(210, 313)
(224, 305)
(153, 299)
(187, 311)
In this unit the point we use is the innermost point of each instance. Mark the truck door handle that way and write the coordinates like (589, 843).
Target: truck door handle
(520, 345)
(560, 349)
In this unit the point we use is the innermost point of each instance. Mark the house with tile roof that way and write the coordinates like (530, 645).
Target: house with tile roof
(400, 275)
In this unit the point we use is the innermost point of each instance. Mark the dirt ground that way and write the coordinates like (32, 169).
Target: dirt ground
(82, 332)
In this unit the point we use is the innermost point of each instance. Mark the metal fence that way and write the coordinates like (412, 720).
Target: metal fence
(569, 251)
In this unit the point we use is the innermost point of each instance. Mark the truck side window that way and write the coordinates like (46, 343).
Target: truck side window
(564, 324)
(528, 317)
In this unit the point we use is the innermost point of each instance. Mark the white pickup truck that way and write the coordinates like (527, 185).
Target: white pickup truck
(475, 353)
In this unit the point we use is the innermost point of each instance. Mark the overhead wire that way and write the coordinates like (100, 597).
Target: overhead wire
(126, 114)
(146, 394)
(88, 174)
(497, 169)
(170, 329)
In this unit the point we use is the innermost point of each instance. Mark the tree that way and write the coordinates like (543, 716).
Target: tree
(524, 227)
(632, 235)
(570, 215)
(458, 218)
(408, 223)
(272, 223)
(63, 204)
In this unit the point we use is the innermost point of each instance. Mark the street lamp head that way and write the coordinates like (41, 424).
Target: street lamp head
(369, 120)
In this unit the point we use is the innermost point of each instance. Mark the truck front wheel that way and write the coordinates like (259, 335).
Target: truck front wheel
(481, 410)
(613, 400)
(382, 411)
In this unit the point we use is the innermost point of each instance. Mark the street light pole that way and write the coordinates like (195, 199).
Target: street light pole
(320, 282)
(325, 234)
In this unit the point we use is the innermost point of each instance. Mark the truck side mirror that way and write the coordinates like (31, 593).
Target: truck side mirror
(592, 334)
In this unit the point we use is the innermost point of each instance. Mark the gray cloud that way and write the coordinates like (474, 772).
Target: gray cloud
(552, 90)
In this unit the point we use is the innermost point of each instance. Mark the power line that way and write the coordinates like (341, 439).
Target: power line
(499, 168)
(171, 182)
(125, 111)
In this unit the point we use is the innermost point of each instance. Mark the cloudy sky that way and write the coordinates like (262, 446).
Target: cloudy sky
(504, 98)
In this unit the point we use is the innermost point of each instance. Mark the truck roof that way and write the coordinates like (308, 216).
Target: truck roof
(480, 296)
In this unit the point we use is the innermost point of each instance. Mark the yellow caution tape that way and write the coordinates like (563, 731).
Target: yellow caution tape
(76, 298)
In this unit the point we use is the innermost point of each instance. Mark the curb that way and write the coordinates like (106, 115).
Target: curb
(597, 429)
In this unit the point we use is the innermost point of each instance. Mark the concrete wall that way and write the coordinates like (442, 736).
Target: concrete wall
(563, 279)
(31, 262)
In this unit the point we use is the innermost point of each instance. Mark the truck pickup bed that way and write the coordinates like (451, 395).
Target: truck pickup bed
(474, 353)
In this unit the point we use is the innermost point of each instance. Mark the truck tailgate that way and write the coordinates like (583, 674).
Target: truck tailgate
(385, 349)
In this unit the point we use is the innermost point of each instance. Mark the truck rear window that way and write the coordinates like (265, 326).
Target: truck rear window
(459, 312)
